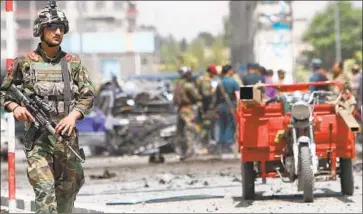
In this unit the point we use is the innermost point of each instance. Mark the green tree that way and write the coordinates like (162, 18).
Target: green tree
(183, 45)
(321, 32)
(170, 50)
(207, 37)
(217, 55)
(196, 49)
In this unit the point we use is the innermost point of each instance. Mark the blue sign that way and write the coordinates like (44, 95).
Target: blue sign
(281, 26)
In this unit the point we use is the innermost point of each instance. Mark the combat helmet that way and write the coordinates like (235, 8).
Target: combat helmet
(184, 71)
(49, 15)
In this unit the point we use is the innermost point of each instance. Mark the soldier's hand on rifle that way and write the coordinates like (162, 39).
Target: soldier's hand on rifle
(22, 114)
(67, 124)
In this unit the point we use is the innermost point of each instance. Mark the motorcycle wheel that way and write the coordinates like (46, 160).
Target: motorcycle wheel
(306, 173)
(248, 181)
(346, 176)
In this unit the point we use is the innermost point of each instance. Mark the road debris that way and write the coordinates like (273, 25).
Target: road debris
(106, 175)
(166, 199)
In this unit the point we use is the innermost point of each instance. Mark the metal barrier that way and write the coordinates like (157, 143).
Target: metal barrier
(10, 139)
(10, 55)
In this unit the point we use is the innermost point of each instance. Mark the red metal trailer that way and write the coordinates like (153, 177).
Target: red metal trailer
(265, 132)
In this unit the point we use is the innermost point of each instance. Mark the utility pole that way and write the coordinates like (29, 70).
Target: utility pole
(338, 49)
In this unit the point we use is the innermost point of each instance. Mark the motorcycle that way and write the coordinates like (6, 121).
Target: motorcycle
(300, 160)
(309, 134)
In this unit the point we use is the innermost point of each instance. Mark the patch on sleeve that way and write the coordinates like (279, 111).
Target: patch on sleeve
(68, 56)
(10, 68)
(33, 56)
(76, 59)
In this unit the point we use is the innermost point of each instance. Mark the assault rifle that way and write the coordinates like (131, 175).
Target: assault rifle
(40, 110)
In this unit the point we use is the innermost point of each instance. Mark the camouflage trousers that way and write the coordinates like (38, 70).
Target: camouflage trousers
(55, 174)
(187, 131)
(208, 127)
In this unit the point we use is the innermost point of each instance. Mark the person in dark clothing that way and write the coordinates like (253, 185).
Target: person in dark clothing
(253, 75)
(318, 76)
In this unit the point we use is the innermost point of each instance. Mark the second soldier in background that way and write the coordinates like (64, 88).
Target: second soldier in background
(185, 96)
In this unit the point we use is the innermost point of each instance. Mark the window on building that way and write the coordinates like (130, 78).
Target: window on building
(99, 5)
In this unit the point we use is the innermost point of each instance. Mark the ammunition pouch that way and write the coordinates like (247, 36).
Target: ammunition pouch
(31, 136)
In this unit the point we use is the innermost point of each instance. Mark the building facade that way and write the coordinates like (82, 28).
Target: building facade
(104, 33)
(83, 16)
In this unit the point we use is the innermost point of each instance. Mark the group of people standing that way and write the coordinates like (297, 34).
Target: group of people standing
(351, 82)
(214, 95)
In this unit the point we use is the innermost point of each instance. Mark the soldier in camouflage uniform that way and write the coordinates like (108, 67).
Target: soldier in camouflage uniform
(53, 171)
(185, 96)
(340, 76)
(207, 85)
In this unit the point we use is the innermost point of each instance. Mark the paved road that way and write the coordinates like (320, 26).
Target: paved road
(132, 178)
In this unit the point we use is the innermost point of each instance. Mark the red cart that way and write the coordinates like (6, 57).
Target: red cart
(298, 136)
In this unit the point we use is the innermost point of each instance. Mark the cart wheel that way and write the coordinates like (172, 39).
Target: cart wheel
(248, 181)
(152, 159)
(346, 176)
(161, 159)
(307, 174)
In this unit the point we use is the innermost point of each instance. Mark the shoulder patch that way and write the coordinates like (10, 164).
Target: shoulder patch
(73, 58)
(33, 56)
(9, 65)
(68, 56)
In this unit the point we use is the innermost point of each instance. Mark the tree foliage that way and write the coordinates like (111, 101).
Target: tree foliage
(203, 50)
(321, 32)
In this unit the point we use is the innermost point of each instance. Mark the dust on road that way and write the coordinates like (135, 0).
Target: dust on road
(131, 178)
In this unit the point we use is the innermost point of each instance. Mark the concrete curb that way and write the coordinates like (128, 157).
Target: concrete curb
(25, 203)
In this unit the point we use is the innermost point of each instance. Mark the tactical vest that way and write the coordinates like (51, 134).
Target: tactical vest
(205, 87)
(180, 95)
(48, 83)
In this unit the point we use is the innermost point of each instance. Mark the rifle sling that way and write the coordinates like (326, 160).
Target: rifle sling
(67, 85)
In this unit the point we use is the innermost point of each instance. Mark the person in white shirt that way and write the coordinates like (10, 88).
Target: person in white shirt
(356, 80)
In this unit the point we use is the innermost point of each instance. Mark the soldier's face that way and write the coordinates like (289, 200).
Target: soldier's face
(53, 33)
(336, 68)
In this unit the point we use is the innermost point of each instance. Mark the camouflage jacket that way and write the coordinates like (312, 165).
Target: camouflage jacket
(204, 85)
(344, 80)
(185, 93)
(20, 73)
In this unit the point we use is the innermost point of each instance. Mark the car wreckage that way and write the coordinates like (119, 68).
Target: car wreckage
(139, 119)
(298, 136)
